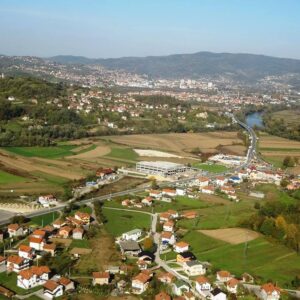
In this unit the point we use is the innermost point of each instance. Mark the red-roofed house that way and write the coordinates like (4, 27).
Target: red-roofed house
(26, 252)
(269, 291)
(16, 263)
(140, 283)
(36, 243)
(15, 230)
(101, 278)
(33, 277)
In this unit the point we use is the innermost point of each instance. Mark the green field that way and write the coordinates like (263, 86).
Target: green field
(123, 221)
(123, 154)
(213, 168)
(44, 152)
(261, 258)
(45, 219)
(272, 192)
(80, 244)
(221, 216)
(9, 178)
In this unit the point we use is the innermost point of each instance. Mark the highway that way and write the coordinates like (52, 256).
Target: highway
(61, 206)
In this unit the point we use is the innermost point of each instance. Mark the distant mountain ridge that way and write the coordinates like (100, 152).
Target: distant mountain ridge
(237, 66)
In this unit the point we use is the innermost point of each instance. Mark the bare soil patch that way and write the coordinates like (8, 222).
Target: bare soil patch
(99, 151)
(179, 143)
(65, 242)
(232, 235)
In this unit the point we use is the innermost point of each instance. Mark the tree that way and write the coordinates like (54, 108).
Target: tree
(148, 243)
(267, 226)
(288, 162)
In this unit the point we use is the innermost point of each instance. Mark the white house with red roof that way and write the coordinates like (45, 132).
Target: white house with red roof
(223, 276)
(181, 247)
(202, 181)
(33, 277)
(16, 263)
(140, 283)
(155, 194)
(26, 252)
(36, 242)
(232, 285)
(221, 180)
(148, 201)
(203, 286)
(209, 189)
(167, 237)
(269, 291)
(168, 226)
(15, 230)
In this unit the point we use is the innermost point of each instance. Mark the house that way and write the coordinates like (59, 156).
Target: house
(164, 217)
(167, 237)
(169, 192)
(147, 201)
(50, 248)
(67, 284)
(179, 287)
(180, 192)
(16, 263)
(155, 194)
(85, 218)
(173, 214)
(52, 289)
(235, 179)
(190, 214)
(162, 296)
(202, 181)
(232, 285)
(167, 278)
(221, 180)
(15, 230)
(229, 191)
(217, 294)
(36, 243)
(247, 278)
(26, 252)
(65, 232)
(242, 174)
(140, 283)
(185, 256)
(59, 223)
(203, 286)
(210, 190)
(103, 173)
(132, 235)
(168, 226)
(101, 278)
(269, 291)
(38, 233)
(181, 247)
(47, 200)
(77, 233)
(223, 276)
(126, 202)
(33, 277)
(194, 268)
(130, 247)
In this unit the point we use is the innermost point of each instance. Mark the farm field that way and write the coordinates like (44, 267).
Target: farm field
(280, 264)
(232, 235)
(123, 221)
(9, 178)
(274, 149)
(213, 168)
(179, 143)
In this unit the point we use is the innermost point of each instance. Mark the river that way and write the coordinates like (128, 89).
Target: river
(255, 119)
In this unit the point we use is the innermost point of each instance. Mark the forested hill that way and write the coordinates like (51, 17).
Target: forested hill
(243, 66)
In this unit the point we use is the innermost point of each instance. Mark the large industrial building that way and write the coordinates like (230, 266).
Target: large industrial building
(163, 168)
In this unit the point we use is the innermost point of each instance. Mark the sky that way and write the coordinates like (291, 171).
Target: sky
(116, 28)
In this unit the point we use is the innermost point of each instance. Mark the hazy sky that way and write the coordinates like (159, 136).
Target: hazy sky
(113, 28)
